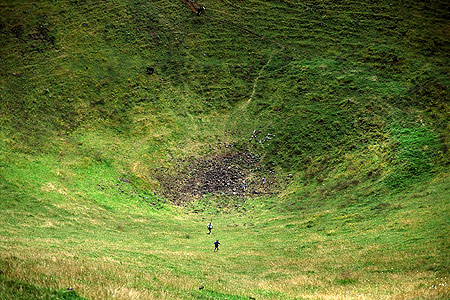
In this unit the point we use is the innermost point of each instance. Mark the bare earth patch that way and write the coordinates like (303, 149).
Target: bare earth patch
(237, 174)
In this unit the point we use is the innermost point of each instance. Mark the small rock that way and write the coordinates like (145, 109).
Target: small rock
(201, 287)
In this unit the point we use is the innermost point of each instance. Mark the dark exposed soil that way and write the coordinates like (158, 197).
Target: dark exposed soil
(220, 174)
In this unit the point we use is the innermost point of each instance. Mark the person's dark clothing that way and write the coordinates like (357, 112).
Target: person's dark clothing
(216, 245)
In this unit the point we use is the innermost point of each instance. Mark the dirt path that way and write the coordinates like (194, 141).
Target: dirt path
(255, 83)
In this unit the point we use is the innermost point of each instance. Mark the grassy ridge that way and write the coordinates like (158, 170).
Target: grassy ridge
(355, 94)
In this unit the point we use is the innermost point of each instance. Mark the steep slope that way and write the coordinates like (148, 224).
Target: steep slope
(108, 108)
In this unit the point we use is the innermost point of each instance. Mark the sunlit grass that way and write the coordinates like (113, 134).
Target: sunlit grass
(124, 252)
(353, 92)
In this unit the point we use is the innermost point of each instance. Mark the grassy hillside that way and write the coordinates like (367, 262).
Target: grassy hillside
(108, 108)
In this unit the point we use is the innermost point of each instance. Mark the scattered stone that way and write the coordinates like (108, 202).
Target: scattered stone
(219, 174)
(254, 135)
(201, 287)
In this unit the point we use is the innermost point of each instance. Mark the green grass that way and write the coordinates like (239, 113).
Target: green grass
(354, 95)
(323, 244)
(10, 289)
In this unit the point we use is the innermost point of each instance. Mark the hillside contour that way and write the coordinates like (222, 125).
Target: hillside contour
(314, 135)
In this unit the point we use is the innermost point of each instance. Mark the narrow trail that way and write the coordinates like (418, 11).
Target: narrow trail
(281, 47)
(255, 83)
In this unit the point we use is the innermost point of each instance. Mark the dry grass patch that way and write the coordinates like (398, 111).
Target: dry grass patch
(101, 278)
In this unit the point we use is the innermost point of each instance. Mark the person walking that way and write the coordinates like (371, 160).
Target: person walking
(216, 245)
(210, 227)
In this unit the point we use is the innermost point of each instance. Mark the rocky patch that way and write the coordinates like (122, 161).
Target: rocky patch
(233, 174)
